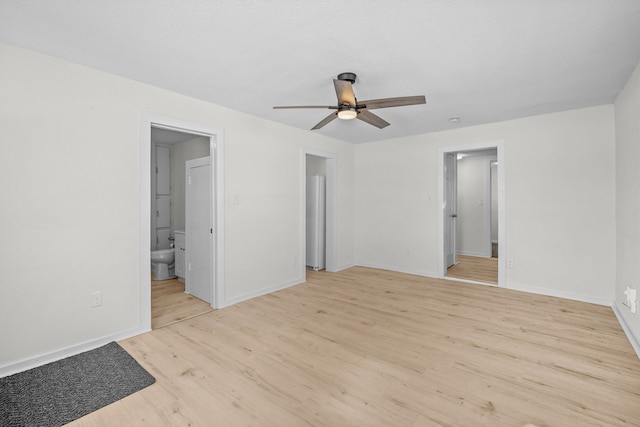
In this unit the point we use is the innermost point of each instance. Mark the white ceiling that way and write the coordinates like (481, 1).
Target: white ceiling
(483, 61)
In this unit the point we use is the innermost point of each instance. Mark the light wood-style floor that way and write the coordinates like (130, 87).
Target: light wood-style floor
(475, 268)
(169, 303)
(368, 347)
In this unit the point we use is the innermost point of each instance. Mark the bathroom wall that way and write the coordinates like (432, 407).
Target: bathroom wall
(181, 152)
(161, 196)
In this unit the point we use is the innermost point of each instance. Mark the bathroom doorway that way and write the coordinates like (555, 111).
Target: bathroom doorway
(180, 141)
(171, 151)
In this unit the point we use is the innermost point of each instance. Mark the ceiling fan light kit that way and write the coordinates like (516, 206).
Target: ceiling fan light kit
(349, 108)
(347, 114)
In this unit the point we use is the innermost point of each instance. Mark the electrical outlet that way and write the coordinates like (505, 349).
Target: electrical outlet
(96, 299)
(509, 263)
(632, 300)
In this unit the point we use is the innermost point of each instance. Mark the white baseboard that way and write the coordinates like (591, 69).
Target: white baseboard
(343, 267)
(275, 288)
(45, 358)
(560, 294)
(401, 270)
(635, 341)
(250, 295)
(475, 254)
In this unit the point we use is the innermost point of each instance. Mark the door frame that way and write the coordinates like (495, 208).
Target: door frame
(331, 208)
(216, 151)
(502, 250)
(487, 205)
(449, 205)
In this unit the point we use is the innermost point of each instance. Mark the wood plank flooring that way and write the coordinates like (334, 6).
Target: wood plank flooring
(475, 268)
(367, 347)
(169, 303)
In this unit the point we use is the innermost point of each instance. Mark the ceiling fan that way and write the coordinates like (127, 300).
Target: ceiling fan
(350, 108)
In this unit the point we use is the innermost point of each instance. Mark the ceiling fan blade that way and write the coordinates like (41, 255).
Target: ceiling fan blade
(344, 90)
(392, 102)
(306, 106)
(372, 119)
(326, 120)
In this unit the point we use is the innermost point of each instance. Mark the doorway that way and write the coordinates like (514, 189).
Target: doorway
(471, 219)
(315, 162)
(172, 298)
(153, 124)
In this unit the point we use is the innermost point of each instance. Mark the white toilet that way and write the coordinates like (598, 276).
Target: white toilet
(162, 264)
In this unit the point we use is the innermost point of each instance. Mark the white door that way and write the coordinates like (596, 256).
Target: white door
(199, 229)
(449, 208)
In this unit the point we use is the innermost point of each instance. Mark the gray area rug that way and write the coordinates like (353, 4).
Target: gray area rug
(60, 392)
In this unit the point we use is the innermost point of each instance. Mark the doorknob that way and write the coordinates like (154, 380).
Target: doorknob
(454, 215)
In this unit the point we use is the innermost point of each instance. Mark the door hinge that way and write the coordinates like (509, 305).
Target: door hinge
(211, 230)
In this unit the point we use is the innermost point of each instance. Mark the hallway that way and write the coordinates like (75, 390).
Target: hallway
(475, 268)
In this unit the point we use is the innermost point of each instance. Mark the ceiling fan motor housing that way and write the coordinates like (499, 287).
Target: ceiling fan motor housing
(349, 77)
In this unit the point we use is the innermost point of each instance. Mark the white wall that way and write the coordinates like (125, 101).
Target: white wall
(560, 197)
(73, 138)
(627, 111)
(180, 153)
(70, 217)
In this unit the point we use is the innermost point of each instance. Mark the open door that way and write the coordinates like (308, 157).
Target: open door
(450, 210)
(199, 229)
